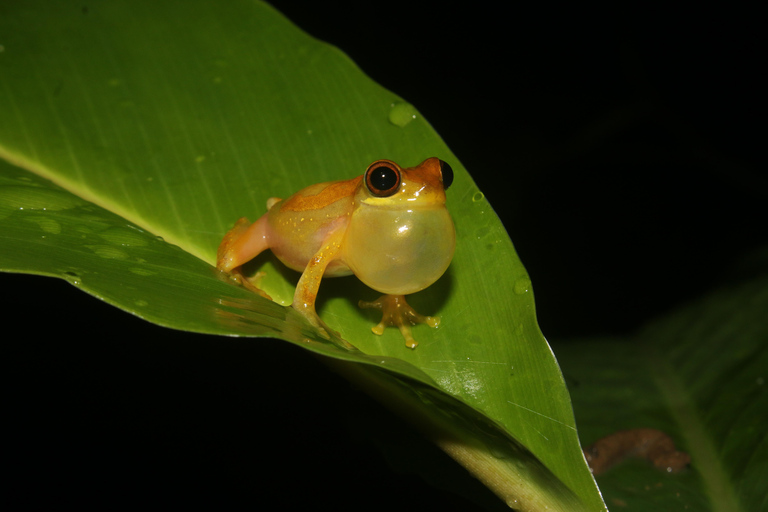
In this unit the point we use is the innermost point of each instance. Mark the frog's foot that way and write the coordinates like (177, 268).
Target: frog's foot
(251, 284)
(313, 318)
(308, 312)
(396, 311)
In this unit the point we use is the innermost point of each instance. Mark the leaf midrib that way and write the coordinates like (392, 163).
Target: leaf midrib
(700, 444)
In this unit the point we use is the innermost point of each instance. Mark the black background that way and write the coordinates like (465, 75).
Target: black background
(624, 152)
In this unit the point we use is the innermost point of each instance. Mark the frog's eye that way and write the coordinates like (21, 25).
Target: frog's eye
(382, 178)
(447, 173)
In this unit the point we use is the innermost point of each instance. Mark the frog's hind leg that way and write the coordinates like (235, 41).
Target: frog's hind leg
(309, 283)
(396, 311)
(241, 244)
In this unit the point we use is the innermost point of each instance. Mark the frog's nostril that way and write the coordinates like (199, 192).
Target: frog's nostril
(447, 172)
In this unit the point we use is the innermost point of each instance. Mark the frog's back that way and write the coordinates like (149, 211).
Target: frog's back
(301, 224)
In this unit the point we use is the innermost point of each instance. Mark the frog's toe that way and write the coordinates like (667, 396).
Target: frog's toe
(396, 311)
(378, 328)
(326, 332)
(405, 329)
(313, 318)
(251, 284)
(432, 321)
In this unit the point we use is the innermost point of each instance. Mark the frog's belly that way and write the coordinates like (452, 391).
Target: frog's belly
(304, 241)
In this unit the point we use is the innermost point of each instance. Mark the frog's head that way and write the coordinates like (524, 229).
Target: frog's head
(400, 238)
(386, 184)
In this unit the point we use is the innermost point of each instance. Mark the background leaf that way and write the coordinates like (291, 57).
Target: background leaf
(698, 375)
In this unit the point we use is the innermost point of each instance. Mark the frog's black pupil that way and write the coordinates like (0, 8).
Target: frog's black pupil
(447, 174)
(383, 178)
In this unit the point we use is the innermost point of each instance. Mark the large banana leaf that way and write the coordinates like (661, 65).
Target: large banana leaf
(134, 134)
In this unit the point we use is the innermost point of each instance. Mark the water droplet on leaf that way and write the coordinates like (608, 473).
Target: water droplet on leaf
(46, 224)
(142, 271)
(125, 237)
(522, 285)
(108, 252)
(401, 114)
(37, 198)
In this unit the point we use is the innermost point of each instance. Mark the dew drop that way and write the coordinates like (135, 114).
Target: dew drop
(72, 277)
(522, 285)
(109, 252)
(479, 196)
(124, 237)
(142, 271)
(401, 113)
(482, 232)
(46, 224)
(36, 198)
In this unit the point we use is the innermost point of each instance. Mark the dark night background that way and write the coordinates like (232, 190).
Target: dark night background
(625, 154)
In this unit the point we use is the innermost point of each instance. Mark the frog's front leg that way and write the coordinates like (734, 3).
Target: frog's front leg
(241, 244)
(396, 311)
(309, 283)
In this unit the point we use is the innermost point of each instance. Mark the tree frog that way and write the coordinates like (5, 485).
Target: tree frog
(389, 227)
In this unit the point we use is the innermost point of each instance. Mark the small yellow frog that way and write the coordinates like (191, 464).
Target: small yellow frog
(389, 227)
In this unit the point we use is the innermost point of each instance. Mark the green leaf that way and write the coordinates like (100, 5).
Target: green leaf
(158, 125)
(698, 375)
